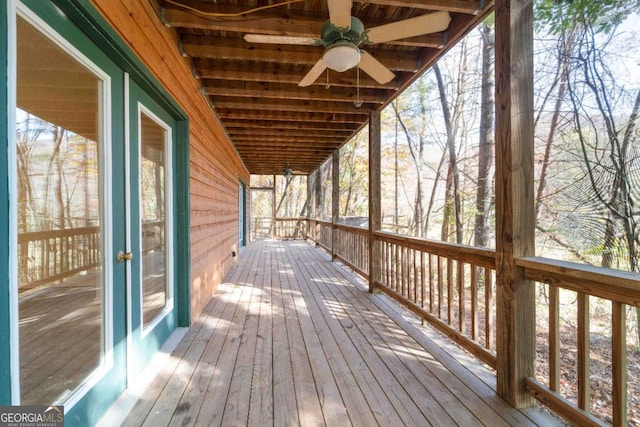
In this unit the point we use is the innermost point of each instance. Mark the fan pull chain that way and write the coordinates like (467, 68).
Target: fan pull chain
(358, 102)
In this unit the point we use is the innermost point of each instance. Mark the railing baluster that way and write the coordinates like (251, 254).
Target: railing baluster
(431, 284)
(488, 296)
(619, 361)
(440, 286)
(422, 277)
(415, 276)
(461, 295)
(449, 288)
(405, 272)
(385, 274)
(554, 338)
(584, 365)
(474, 302)
(396, 265)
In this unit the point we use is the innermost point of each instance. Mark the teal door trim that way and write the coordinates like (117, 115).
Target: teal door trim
(243, 213)
(145, 340)
(5, 287)
(182, 255)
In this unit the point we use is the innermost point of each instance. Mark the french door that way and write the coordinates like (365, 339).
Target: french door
(68, 155)
(151, 284)
(93, 278)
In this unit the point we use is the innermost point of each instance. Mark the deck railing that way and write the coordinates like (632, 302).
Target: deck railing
(47, 256)
(453, 287)
(285, 228)
(321, 232)
(53, 255)
(261, 227)
(581, 289)
(291, 228)
(352, 248)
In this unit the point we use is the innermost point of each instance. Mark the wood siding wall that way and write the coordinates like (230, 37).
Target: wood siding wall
(215, 166)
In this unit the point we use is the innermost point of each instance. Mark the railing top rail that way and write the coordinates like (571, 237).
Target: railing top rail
(477, 256)
(292, 218)
(48, 234)
(620, 286)
(352, 229)
(321, 221)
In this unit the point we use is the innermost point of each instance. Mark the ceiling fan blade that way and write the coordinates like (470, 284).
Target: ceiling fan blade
(313, 74)
(375, 68)
(270, 39)
(417, 26)
(340, 13)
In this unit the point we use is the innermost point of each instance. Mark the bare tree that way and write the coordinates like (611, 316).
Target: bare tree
(609, 151)
(453, 175)
(416, 148)
(485, 143)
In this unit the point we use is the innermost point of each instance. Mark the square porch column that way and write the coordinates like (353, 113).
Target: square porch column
(335, 200)
(515, 214)
(375, 220)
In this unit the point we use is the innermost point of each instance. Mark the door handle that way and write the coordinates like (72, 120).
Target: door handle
(124, 256)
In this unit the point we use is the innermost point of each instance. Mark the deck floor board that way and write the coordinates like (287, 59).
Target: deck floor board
(291, 338)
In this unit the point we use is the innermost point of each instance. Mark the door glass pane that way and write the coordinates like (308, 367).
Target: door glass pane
(152, 198)
(60, 242)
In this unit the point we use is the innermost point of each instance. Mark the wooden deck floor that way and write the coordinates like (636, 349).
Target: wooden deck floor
(291, 338)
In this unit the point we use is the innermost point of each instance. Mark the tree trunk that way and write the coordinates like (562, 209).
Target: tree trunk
(349, 166)
(416, 154)
(453, 158)
(616, 196)
(432, 199)
(563, 65)
(445, 231)
(48, 220)
(159, 190)
(284, 195)
(395, 194)
(485, 143)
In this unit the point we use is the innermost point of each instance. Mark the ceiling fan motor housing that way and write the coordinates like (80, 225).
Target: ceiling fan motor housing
(332, 34)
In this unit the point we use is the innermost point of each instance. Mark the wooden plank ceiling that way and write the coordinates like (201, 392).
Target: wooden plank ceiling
(254, 88)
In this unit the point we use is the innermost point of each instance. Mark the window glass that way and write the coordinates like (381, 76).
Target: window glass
(152, 197)
(59, 122)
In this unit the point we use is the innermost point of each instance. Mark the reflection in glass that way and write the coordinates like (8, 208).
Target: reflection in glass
(152, 201)
(60, 244)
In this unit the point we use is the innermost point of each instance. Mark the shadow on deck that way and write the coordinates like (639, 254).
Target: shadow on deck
(291, 338)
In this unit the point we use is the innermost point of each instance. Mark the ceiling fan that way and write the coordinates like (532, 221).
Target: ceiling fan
(343, 34)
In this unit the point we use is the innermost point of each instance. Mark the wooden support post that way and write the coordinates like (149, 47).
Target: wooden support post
(515, 217)
(273, 208)
(318, 195)
(309, 204)
(335, 200)
(375, 221)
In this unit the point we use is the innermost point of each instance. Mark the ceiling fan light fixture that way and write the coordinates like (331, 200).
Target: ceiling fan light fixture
(341, 56)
